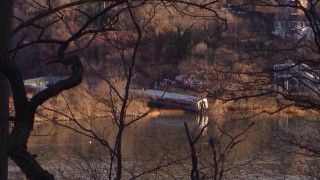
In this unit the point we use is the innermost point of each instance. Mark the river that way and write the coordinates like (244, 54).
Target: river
(154, 141)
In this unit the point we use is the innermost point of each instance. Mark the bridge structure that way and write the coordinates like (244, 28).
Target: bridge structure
(295, 77)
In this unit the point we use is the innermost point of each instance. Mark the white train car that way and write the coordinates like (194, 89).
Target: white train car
(172, 100)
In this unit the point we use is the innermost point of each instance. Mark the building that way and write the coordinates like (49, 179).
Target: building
(291, 22)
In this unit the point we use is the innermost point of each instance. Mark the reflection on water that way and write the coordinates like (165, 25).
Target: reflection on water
(202, 121)
(155, 139)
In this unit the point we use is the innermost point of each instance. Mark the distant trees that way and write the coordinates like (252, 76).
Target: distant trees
(102, 37)
(85, 22)
(299, 57)
(277, 68)
(251, 64)
(115, 100)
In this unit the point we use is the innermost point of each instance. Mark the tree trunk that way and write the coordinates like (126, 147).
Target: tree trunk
(119, 152)
(194, 174)
(3, 128)
(5, 33)
(17, 150)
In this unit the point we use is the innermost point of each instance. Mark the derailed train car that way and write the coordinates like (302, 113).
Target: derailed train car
(164, 99)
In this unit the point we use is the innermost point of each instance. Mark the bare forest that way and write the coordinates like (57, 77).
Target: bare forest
(159, 89)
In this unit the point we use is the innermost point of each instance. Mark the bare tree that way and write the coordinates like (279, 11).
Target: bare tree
(119, 99)
(44, 17)
(5, 31)
(218, 156)
(25, 109)
(285, 70)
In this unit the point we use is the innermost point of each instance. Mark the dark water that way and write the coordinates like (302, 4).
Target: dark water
(158, 140)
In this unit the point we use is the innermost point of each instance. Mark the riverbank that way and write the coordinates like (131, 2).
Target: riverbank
(269, 106)
(77, 107)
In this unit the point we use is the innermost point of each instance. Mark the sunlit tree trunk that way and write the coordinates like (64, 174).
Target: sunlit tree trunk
(5, 29)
